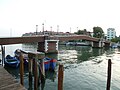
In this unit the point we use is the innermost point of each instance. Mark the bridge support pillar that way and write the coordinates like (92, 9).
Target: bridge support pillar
(99, 44)
(49, 46)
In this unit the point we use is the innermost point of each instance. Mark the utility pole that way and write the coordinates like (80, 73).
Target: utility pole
(51, 30)
(43, 28)
(57, 29)
(36, 29)
(70, 30)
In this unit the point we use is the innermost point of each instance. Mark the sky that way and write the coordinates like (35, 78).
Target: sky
(21, 16)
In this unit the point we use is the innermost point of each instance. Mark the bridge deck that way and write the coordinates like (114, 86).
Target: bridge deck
(7, 82)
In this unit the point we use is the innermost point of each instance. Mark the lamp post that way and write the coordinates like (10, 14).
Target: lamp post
(43, 28)
(36, 29)
(51, 30)
(70, 30)
(57, 29)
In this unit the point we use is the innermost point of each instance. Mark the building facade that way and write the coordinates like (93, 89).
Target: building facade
(111, 33)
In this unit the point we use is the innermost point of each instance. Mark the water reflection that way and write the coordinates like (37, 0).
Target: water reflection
(79, 54)
(51, 75)
(55, 56)
(30, 47)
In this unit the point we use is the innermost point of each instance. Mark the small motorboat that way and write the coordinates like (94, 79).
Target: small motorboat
(11, 61)
(53, 63)
(49, 63)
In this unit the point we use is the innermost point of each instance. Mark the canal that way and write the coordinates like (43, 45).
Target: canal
(85, 68)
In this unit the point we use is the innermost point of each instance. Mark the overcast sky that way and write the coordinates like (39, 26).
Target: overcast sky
(22, 16)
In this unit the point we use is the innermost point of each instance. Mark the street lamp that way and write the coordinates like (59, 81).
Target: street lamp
(43, 28)
(36, 29)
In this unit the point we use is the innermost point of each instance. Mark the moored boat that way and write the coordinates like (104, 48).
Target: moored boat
(78, 43)
(82, 44)
(11, 61)
(25, 55)
(53, 63)
(49, 63)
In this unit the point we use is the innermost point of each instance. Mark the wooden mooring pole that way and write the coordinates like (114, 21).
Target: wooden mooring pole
(109, 75)
(30, 72)
(60, 77)
(34, 68)
(21, 69)
(3, 54)
(36, 76)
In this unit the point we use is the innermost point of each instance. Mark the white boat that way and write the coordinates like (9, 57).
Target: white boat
(70, 43)
(78, 43)
(115, 45)
(82, 44)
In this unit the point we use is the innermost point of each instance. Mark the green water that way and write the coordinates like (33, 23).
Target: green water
(85, 68)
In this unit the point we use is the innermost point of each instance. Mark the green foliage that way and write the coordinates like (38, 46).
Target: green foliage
(71, 40)
(117, 39)
(114, 40)
(81, 32)
(98, 32)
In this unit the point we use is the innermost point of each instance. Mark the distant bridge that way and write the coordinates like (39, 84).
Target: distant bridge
(31, 39)
(76, 37)
(41, 40)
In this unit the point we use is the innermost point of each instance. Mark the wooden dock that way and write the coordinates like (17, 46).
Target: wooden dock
(7, 82)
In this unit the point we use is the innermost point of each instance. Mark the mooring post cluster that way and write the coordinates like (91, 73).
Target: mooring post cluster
(32, 68)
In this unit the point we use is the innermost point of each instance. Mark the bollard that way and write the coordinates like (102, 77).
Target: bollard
(21, 69)
(60, 77)
(109, 75)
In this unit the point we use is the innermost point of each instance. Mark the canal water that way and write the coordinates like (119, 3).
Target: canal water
(85, 68)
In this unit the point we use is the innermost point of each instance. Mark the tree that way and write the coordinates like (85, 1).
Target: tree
(116, 39)
(83, 32)
(98, 32)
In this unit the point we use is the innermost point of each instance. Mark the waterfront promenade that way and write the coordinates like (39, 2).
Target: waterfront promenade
(7, 82)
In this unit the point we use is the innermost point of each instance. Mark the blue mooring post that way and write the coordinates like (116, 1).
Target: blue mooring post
(109, 75)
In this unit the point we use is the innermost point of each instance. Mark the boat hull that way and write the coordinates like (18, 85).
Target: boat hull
(49, 63)
(11, 61)
(53, 64)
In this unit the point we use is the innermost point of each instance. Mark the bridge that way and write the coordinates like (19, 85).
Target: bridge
(74, 37)
(50, 43)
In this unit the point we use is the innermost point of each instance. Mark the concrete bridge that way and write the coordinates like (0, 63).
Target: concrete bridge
(50, 43)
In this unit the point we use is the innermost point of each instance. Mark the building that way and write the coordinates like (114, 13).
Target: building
(51, 33)
(111, 33)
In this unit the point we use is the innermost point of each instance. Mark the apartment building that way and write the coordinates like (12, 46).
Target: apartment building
(111, 33)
